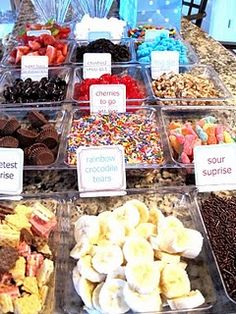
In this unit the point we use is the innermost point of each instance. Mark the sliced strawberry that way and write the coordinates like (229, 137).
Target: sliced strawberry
(51, 53)
(23, 49)
(48, 40)
(60, 59)
(65, 50)
(12, 291)
(33, 263)
(34, 45)
(35, 53)
(59, 45)
(13, 53)
(19, 54)
(42, 51)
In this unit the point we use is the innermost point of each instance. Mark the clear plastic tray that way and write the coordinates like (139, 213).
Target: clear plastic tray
(9, 75)
(5, 63)
(173, 200)
(124, 41)
(146, 111)
(135, 71)
(56, 116)
(224, 115)
(191, 54)
(55, 204)
(225, 303)
(196, 70)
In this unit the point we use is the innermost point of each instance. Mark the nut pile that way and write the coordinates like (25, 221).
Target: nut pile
(184, 85)
(28, 91)
(39, 139)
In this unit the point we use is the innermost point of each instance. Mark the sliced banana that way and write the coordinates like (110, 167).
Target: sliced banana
(142, 302)
(137, 248)
(82, 248)
(167, 257)
(95, 297)
(111, 297)
(170, 222)
(112, 230)
(128, 214)
(76, 278)
(142, 276)
(146, 229)
(173, 240)
(194, 243)
(107, 258)
(183, 265)
(118, 273)
(154, 241)
(174, 281)
(155, 216)
(86, 288)
(85, 267)
(87, 226)
(141, 207)
(190, 301)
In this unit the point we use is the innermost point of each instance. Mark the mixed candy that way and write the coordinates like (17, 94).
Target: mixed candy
(26, 259)
(134, 89)
(140, 31)
(162, 43)
(119, 52)
(44, 45)
(183, 137)
(137, 133)
(57, 31)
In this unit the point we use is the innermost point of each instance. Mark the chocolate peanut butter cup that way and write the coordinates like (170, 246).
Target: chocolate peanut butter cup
(9, 141)
(37, 119)
(11, 126)
(42, 156)
(3, 122)
(26, 137)
(49, 137)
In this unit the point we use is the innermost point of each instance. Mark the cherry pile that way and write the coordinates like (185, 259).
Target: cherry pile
(28, 91)
(134, 89)
(43, 45)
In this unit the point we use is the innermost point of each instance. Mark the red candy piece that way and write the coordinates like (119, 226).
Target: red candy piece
(33, 262)
(23, 249)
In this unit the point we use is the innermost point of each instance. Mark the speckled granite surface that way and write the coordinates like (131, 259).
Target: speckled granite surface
(209, 52)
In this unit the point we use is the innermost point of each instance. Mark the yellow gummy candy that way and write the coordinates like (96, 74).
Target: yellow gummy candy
(227, 138)
(29, 304)
(30, 285)
(18, 272)
(23, 210)
(6, 303)
(18, 221)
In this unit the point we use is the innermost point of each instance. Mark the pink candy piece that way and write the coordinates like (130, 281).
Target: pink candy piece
(188, 144)
(184, 158)
(211, 130)
(34, 262)
(220, 133)
(180, 138)
(188, 129)
(175, 144)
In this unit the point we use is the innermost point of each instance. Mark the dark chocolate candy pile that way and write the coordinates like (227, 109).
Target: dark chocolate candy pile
(219, 216)
(119, 52)
(39, 139)
(28, 91)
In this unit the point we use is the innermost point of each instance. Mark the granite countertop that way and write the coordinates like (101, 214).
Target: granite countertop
(209, 51)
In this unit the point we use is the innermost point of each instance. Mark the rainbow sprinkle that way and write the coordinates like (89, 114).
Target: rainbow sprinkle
(137, 132)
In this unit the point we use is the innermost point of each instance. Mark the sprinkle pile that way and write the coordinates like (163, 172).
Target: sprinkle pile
(137, 133)
(139, 32)
(162, 43)
(183, 137)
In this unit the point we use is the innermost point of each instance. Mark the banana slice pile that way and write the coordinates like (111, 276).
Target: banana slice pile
(130, 259)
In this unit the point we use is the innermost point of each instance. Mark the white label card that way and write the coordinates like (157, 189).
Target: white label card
(96, 64)
(152, 34)
(215, 167)
(107, 97)
(34, 67)
(164, 62)
(39, 32)
(11, 170)
(101, 169)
